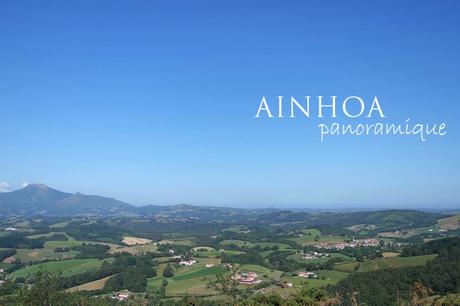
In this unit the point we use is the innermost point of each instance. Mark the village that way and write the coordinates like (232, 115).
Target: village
(352, 244)
(314, 255)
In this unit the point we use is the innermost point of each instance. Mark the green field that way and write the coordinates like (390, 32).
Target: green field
(61, 224)
(299, 258)
(196, 286)
(395, 262)
(326, 277)
(193, 282)
(270, 245)
(135, 249)
(200, 273)
(242, 243)
(260, 270)
(53, 244)
(49, 235)
(47, 252)
(205, 252)
(203, 248)
(346, 266)
(313, 236)
(91, 265)
(383, 263)
(406, 233)
(67, 267)
(28, 255)
(191, 279)
(62, 244)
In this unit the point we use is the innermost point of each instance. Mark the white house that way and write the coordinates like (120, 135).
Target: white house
(307, 274)
(122, 295)
(187, 262)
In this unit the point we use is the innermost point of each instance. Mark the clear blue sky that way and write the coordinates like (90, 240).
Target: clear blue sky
(153, 102)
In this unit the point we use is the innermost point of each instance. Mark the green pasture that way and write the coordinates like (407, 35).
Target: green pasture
(67, 267)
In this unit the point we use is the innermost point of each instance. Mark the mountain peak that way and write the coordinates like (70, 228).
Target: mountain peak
(37, 187)
(41, 199)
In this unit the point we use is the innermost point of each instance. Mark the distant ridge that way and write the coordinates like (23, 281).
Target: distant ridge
(41, 199)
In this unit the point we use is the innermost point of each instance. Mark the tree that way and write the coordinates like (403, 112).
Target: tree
(44, 291)
(359, 255)
(168, 271)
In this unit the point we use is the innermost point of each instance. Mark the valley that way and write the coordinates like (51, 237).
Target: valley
(218, 255)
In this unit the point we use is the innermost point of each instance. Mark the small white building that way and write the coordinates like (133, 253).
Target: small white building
(307, 274)
(122, 295)
(187, 262)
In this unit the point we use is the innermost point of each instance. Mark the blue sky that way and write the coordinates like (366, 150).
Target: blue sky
(153, 102)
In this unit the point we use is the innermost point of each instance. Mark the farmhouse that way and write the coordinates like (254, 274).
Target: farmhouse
(187, 262)
(122, 295)
(209, 265)
(314, 255)
(246, 278)
(307, 274)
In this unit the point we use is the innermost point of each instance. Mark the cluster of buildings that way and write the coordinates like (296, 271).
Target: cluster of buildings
(352, 244)
(307, 274)
(246, 278)
(314, 255)
(10, 229)
(189, 262)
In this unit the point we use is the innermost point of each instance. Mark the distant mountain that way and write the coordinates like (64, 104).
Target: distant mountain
(40, 199)
(34, 197)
